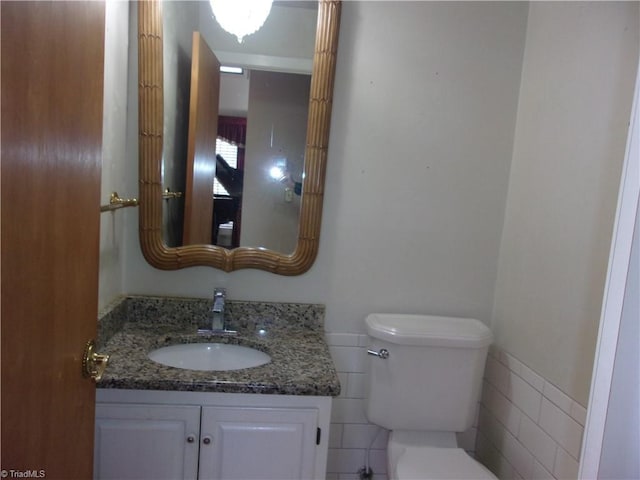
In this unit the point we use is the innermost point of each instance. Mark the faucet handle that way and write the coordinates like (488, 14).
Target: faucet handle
(219, 292)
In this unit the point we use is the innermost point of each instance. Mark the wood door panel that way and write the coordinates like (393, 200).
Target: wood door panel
(52, 91)
(201, 154)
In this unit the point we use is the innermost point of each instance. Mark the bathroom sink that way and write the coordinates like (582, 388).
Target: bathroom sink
(209, 356)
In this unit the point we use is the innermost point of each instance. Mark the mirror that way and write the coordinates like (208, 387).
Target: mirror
(152, 118)
(260, 116)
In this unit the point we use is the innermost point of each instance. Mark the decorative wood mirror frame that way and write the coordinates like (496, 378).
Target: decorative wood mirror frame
(150, 123)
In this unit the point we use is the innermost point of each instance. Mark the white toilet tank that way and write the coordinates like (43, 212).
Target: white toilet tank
(432, 376)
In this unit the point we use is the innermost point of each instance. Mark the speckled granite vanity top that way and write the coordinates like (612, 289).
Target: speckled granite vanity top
(292, 334)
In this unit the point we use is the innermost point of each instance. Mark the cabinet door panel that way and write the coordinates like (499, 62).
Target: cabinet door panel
(258, 443)
(146, 442)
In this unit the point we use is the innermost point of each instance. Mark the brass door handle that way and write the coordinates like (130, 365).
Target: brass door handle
(93, 364)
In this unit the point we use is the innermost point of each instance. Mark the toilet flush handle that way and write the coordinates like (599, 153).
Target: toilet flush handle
(382, 353)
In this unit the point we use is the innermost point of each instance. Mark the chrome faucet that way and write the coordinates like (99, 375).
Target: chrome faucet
(217, 311)
(216, 314)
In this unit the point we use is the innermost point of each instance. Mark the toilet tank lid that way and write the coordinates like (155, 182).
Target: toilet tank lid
(406, 329)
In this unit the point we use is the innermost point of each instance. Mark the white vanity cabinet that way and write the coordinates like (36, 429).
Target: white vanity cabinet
(196, 435)
(146, 442)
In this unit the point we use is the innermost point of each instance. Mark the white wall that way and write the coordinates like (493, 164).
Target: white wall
(575, 99)
(234, 94)
(114, 135)
(276, 129)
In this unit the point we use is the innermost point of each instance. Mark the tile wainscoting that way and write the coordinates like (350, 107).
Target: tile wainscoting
(527, 428)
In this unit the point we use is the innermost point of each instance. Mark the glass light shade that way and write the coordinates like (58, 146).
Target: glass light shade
(241, 17)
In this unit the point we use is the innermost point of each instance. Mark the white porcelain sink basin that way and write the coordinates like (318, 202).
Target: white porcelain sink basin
(209, 356)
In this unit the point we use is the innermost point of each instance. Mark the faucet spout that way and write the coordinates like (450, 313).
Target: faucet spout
(217, 311)
(218, 322)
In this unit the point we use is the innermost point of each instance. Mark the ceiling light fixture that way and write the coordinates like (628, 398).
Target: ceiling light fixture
(241, 17)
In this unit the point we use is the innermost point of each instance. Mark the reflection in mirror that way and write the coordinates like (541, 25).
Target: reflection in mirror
(260, 118)
(269, 161)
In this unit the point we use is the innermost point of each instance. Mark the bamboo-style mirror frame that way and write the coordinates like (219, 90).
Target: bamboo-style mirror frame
(151, 115)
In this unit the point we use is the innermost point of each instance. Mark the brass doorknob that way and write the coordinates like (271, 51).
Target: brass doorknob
(93, 364)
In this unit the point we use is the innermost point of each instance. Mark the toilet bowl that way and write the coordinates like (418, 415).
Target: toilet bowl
(434, 463)
(423, 385)
(412, 460)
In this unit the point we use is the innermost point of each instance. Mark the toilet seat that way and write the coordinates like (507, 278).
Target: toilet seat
(426, 463)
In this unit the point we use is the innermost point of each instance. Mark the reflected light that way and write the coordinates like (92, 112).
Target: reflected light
(277, 173)
(241, 17)
(233, 70)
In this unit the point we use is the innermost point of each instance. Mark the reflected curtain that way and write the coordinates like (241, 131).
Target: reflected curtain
(234, 130)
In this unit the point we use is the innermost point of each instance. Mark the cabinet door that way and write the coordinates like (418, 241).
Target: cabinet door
(146, 442)
(258, 443)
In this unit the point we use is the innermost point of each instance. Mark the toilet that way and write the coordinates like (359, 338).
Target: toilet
(424, 381)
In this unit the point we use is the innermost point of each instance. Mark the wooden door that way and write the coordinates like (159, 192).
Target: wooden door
(146, 442)
(51, 117)
(201, 153)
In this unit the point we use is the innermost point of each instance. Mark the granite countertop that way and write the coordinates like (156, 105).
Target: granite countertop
(291, 334)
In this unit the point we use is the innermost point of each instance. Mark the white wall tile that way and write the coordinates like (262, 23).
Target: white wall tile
(486, 393)
(540, 473)
(505, 471)
(566, 467)
(531, 420)
(578, 413)
(564, 429)
(378, 463)
(525, 397)
(349, 359)
(348, 476)
(351, 433)
(538, 442)
(518, 456)
(497, 374)
(345, 460)
(344, 383)
(557, 397)
(348, 410)
(342, 339)
(502, 408)
(335, 435)
(361, 436)
(356, 387)
(487, 453)
(511, 362)
(532, 378)
(489, 425)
